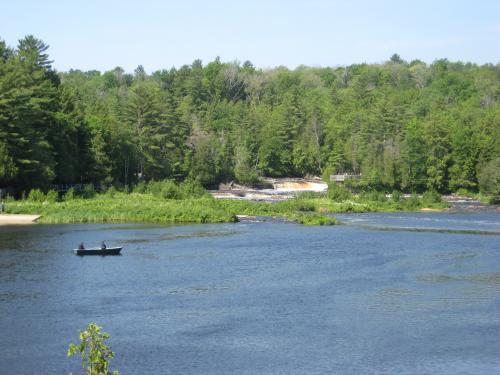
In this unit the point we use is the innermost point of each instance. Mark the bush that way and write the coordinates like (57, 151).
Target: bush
(170, 190)
(494, 199)
(192, 189)
(374, 196)
(413, 202)
(111, 192)
(70, 194)
(36, 195)
(88, 191)
(298, 204)
(52, 196)
(9, 198)
(431, 196)
(396, 196)
(489, 177)
(338, 193)
(140, 188)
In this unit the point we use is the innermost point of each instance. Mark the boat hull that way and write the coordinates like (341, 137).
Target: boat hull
(107, 251)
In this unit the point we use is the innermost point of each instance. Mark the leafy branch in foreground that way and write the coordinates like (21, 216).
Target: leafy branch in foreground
(94, 352)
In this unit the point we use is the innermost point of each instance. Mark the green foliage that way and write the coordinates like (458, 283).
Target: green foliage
(430, 197)
(494, 199)
(396, 196)
(412, 202)
(338, 193)
(52, 196)
(410, 127)
(36, 195)
(140, 188)
(88, 191)
(70, 194)
(94, 351)
(373, 196)
(169, 189)
(111, 192)
(489, 177)
(192, 189)
(317, 220)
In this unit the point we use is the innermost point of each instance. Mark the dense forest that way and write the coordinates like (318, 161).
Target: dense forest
(401, 125)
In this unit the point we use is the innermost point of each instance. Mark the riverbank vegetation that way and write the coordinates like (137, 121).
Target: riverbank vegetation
(188, 202)
(401, 125)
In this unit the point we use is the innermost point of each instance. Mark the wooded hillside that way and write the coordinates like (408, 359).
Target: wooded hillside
(402, 125)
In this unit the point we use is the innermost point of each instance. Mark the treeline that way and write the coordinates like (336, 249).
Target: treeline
(401, 125)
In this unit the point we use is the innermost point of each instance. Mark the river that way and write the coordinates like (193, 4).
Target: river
(383, 294)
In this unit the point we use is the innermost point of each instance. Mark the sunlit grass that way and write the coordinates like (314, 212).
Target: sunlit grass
(149, 208)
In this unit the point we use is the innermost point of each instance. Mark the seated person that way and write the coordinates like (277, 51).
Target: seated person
(103, 246)
(81, 247)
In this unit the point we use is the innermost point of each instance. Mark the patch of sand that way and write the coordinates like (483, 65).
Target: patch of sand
(9, 219)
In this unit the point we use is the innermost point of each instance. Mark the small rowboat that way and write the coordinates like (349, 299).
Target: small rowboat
(99, 251)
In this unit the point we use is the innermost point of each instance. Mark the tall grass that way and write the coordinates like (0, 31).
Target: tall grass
(188, 202)
(137, 208)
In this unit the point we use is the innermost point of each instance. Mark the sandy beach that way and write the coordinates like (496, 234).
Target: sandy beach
(11, 219)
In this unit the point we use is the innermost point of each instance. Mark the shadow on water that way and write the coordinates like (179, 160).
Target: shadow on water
(171, 237)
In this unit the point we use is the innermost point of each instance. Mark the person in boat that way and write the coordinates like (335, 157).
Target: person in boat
(103, 246)
(81, 247)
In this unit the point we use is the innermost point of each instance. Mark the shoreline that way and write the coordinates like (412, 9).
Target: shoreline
(18, 219)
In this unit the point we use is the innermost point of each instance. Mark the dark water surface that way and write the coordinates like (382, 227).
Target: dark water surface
(384, 294)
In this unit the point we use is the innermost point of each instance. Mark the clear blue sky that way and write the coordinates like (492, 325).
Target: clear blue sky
(103, 34)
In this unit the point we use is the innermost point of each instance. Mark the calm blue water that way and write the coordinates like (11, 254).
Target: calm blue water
(369, 297)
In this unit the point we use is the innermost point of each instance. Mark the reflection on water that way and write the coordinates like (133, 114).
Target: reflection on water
(171, 236)
(259, 298)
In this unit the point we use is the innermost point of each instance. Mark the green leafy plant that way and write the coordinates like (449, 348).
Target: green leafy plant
(52, 196)
(36, 195)
(70, 194)
(431, 196)
(338, 193)
(93, 350)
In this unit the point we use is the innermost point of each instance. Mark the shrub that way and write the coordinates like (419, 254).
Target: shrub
(9, 198)
(431, 196)
(36, 195)
(298, 204)
(52, 196)
(489, 177)
(396, 196)
(338, 193)
(494, 199)
(140, 188)
(111, 192)
(88, 191)
(192, 189)
(70, 194)
(412, 202)
(170, 190)
(374, 196)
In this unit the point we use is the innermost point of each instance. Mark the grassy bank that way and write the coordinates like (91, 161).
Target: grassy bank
(130, 208)
(147, 207)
